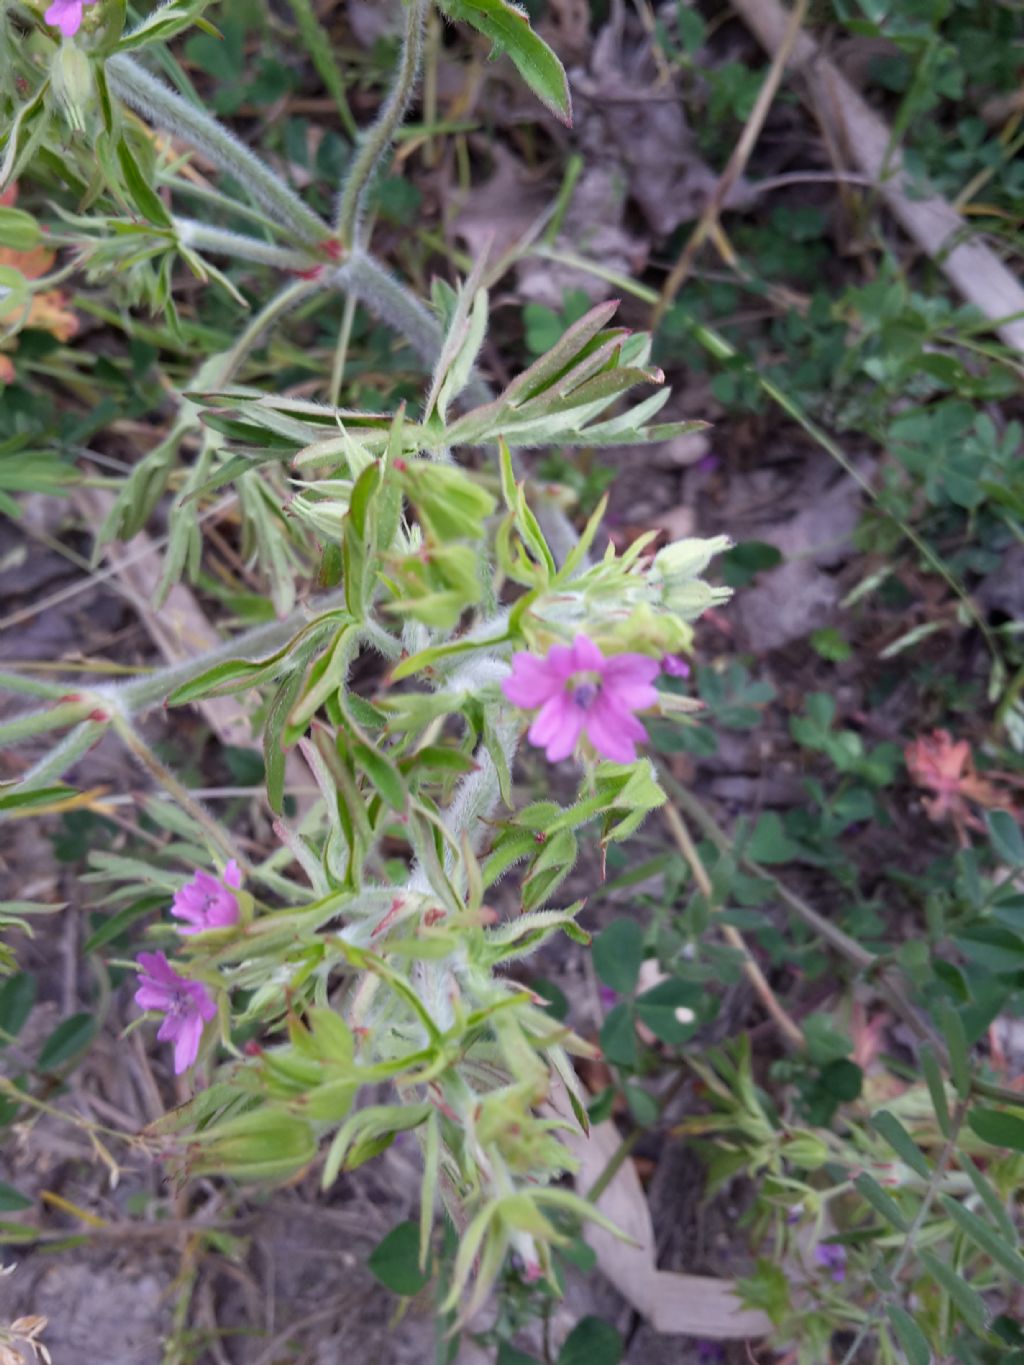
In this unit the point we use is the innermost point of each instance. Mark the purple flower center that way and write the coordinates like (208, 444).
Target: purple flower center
(584, 693)
(180, 1003)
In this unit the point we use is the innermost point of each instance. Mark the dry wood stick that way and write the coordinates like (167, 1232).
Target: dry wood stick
(976, 273)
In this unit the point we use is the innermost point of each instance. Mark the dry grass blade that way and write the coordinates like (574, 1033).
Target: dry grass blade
(708, 222)
(974, 271)
(789, 1030)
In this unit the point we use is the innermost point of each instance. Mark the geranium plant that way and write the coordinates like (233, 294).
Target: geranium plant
(294, 986)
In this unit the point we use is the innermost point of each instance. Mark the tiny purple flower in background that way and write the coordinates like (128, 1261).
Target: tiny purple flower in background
(66, 15)
(832, 1257)
(580, 692)
(607, 996)
(206, 903)
(674, 667)
(710, 1352)
(187, 1004)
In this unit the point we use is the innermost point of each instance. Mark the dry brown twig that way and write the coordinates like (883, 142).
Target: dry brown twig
(975, 272)
(789, 1030)
(707, 225)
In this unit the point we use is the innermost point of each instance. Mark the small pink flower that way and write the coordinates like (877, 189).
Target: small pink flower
(675, 667)
(187, 1004)
(579, 692)
(206, 903)
(67, 15)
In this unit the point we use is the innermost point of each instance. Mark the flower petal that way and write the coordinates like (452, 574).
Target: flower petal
(568, 736)
(629, 681)
(65, 15)
(531, 682)
(186, 1046)
(202, 1000)
(561, 661)
(554, 716)
(233, 874)
(152, 996)
(156, 966)
(557, 728)
(614, 733)
(587, 658)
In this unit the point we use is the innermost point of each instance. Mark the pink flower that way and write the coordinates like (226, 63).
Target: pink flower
(206, 903)
(675, 667)
(67, 15)
(187, 1004)
(579, 691)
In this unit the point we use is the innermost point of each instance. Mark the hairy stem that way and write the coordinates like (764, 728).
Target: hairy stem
(378, 139)
(239, 247)
(389, 300)
(160, 105)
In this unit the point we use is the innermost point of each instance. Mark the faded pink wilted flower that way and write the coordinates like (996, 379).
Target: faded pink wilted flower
(579, 692)
(188, 1005)
(206, 903)
(67, 15)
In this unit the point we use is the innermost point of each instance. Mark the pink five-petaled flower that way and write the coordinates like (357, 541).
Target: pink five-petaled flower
(205, 903)
(187, 1004)
(67, 15)
(579, 691)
